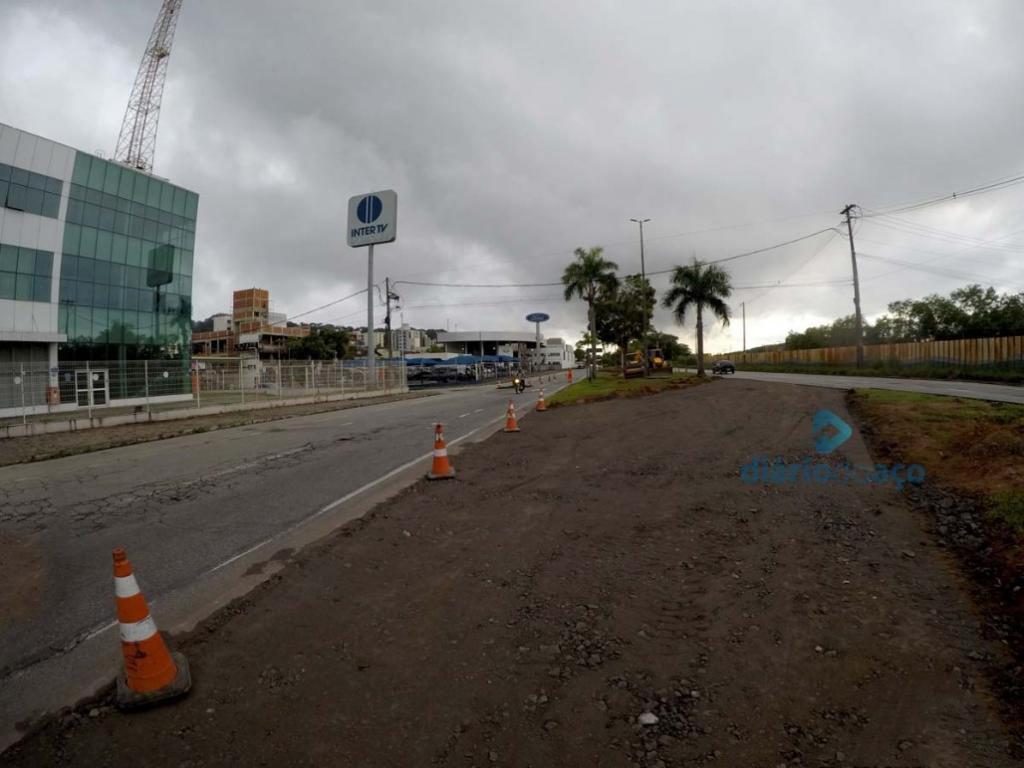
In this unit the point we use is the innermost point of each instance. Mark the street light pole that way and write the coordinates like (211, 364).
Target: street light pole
(643, 291)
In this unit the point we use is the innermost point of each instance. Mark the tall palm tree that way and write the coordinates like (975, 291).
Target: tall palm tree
(699, 286)
(590, 275)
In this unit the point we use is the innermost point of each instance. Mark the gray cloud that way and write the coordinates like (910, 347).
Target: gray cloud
(514, 133)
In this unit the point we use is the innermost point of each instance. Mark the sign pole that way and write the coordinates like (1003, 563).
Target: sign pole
(370, 354)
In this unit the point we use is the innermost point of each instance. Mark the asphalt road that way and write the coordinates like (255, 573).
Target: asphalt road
(186, 507)
(1006, 393)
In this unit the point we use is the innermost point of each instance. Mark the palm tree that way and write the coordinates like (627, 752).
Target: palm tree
(590, 275)
(699, 286)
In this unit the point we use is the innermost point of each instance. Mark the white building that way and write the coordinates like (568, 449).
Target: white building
(555, 352)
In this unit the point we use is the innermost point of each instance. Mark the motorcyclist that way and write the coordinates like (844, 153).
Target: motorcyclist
(519, 382)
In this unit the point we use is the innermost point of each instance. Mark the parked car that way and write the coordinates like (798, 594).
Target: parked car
(723, 366)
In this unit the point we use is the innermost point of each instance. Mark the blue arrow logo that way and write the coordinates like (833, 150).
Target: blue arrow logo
(824, 440)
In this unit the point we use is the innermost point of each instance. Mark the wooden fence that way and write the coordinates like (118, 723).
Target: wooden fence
(1002, 352)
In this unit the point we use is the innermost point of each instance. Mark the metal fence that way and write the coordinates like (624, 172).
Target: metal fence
(38, 390)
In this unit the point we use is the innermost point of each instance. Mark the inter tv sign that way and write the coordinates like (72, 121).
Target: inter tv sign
(372, 218)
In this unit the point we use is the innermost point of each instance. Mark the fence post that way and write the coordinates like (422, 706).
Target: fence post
(88, 388)
(241, 384)
(199, 386)
(145, 373)
(24, 418)
(280, 384)
(341, 375)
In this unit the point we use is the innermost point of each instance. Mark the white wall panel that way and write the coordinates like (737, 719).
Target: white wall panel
(25, 150)
(41, 157)
(8, 144)
(62, 163)
(7, 314)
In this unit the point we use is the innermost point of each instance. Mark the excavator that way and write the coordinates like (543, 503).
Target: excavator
(656, 363)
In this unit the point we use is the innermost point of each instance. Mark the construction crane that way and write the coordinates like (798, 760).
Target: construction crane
(136, 145)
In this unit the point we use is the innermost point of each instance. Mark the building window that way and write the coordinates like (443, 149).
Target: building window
(22, 190)
(25, 273)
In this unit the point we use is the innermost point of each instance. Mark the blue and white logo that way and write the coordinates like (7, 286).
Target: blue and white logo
(369, 209)
(824, 440)
(372, 218)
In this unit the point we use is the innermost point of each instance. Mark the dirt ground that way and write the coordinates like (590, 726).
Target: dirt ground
(603, 568)
(19, 450)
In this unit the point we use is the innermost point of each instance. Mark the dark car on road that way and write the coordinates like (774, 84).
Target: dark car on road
(723, 366)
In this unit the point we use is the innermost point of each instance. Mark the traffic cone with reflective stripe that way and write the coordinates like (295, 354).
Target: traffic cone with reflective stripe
(511, 425)
(441, 469)
(151, 672)
(541, 405)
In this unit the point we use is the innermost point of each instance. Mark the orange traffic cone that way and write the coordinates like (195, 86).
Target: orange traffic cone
(151, 672)
(541, 405)
(441, 469)
(511, 425)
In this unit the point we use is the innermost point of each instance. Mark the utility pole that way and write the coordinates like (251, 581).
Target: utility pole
(848, 212)
(744, 306)
(388, 296)
(643, 290)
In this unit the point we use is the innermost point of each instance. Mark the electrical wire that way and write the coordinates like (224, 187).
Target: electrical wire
(920, 266)
(325, 306)
(997, 184)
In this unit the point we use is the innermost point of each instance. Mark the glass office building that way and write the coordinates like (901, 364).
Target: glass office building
(96, 264)
(126, 265)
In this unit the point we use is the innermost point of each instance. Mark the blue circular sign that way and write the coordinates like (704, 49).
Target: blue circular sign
(369, 209)
(538, 317)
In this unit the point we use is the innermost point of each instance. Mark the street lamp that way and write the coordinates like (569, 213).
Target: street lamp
(643, 289)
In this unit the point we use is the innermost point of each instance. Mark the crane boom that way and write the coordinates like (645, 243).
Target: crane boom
(136, 145)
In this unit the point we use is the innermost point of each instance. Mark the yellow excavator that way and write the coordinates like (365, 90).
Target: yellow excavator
(656, 363)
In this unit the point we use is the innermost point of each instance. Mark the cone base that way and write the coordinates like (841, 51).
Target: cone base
(449, 476)
(516, 429)
(129, 700)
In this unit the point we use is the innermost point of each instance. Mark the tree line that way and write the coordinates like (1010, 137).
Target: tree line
(619, 309)
(971, 312)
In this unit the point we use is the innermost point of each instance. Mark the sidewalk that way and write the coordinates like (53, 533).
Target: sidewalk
(600, 589)
(166, 424)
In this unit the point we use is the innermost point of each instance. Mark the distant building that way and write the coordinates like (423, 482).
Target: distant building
(404, 339)
(554, 352)
(250, 329)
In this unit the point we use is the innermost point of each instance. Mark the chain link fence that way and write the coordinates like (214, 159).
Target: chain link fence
(36, 390)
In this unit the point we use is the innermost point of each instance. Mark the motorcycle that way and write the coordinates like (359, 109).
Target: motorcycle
(519, 385)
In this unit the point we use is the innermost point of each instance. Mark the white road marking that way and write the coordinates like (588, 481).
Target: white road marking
(479, 410)
(347, 497)
(463, 415)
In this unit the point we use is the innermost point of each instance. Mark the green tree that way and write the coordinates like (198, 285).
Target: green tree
(669, 345)
(325, 342)
(582, 347)
(590, 275)
(620, 314)
(698, 287)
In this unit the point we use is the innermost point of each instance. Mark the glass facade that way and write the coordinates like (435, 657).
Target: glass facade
(22, 190)
(25, 273)
(126, 267)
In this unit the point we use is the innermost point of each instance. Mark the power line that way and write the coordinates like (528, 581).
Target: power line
(997, 184)
(477, 285)
(754, 252)
(325, 306)
(930, 233)
(940, 271)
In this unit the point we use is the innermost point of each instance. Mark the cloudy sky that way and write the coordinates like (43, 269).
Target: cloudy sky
(515, 132)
